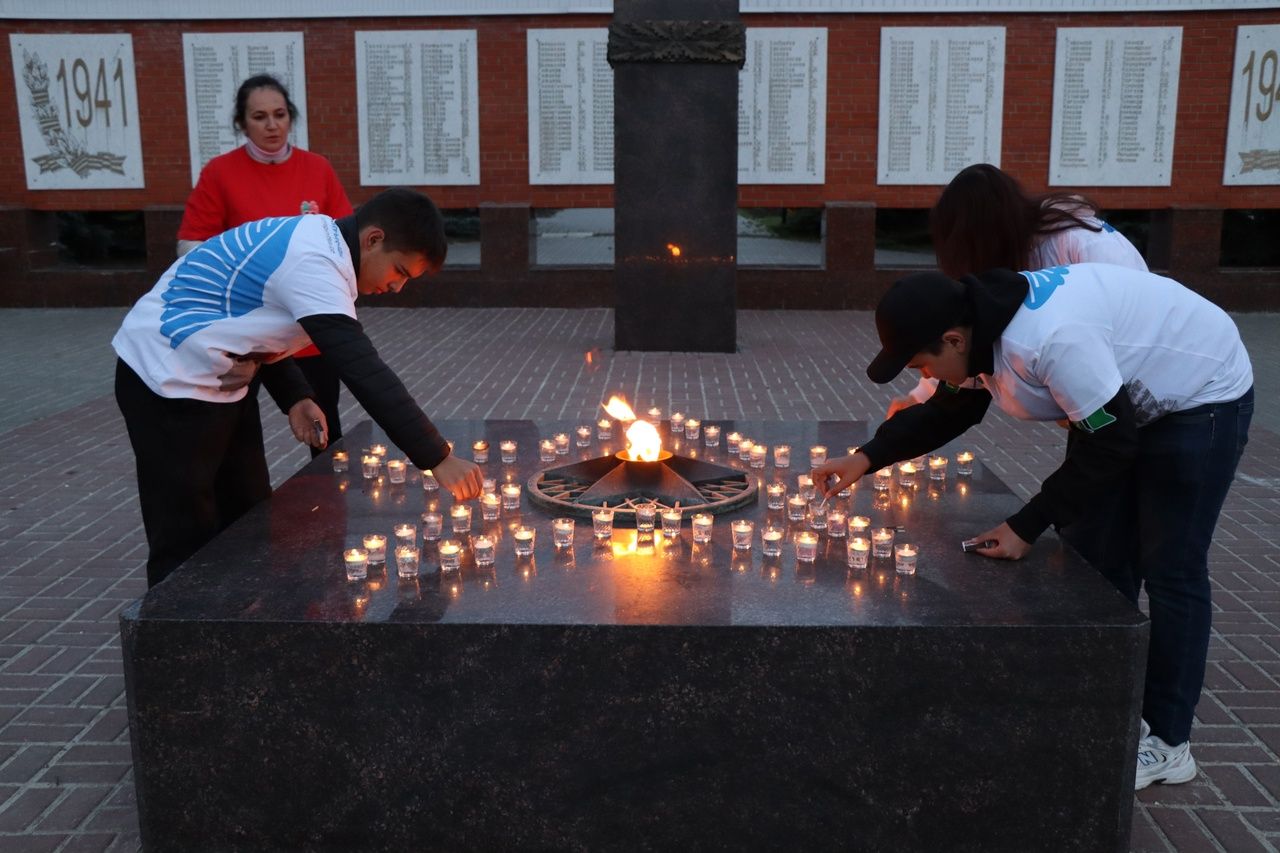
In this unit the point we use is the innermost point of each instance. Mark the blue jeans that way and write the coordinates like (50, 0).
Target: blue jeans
(1154, 529)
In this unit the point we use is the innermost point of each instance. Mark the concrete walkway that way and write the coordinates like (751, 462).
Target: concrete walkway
(72, 550)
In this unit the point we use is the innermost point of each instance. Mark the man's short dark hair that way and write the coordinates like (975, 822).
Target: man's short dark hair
(410, 221)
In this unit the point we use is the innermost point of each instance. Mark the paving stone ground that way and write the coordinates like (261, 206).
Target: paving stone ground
(72, 550)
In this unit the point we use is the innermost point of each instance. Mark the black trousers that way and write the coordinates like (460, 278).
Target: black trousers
(200, 467)
(324, 382)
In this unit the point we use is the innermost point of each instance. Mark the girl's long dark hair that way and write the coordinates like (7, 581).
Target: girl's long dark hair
(985, 220)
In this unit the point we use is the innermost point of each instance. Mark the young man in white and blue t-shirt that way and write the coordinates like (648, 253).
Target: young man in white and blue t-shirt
(229, 314)
(1158, 389)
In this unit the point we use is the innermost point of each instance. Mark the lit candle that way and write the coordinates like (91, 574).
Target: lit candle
(711, 435)
(806, 546)
(771, 540)
(758, 453)
(883, 478)
(546, 450)
(584, 436)
(489, 486)
(602, 523)
(407, 561)
(370, 465)
(604, 429)
(406, 534)
(507, 450)
(655, 414)
(859, 525)
(731, 441)
(429, 482)
(937, 467)
(776, 495)
(796, 506)
(859, 547)
(480, 448)
(378, 450)
(849, 451)
(562, 443)
(376, 545)
(671, 523)
(742, 531)
(692, 429)
(395, 470)
(490, 504)
(524, 539)
(782, 456)
(432, 525)
(646, 512)
(837, 523)
(510, 496)
(817, 455)
(341, 459)
(450, 555)
(357, 562)
(702, 527)
(907, 474)
(964, 462)
(882, 541)
(744, 449)
(484, 549)
(562, 532)
(460, 518)
(904, 559)
(804, 485)
(677, 423)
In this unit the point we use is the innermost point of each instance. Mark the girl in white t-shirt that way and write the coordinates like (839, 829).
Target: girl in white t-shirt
(985, 220)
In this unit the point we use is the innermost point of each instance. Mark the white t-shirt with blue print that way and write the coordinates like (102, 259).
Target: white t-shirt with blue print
(234, 298)
(1085, 331)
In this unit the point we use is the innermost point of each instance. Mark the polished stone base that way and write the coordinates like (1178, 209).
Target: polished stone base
(635, 695)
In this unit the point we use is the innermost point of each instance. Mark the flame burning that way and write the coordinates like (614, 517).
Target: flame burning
(673, 249)
(643, 442)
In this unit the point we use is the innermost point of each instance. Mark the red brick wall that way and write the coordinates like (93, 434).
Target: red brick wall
(1208, 48)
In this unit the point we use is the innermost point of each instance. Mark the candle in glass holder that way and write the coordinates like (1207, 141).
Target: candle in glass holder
(857, 550)
(583, 434)
(758, 455)
(701, 524)
(744, 449)
(671, 522)
(646, 513)
(460, 518)
(796, 506)
(406, 534)
(852, 449)
(357, 562)
(771, 541)
(904, 558)
(490, 506)
(510, 496)
(370, 465)
(806, 546)
(484, 549)
(677, 423)
(882, 480)
(407, 561)
(804, 485)
(546, 450)
(432, 525)
(743, 531)
(711, 435)
(562, 532)
(489, 486)
(602, 523)
(818, 514)
(692, 429)
(937, 467)
(859, 525)
(523, 537)
(655, 415)
(604, 429)
(480, 449)
(837, 523)
(450, 555)
(396, 470)
(817, 455)
(907, 475)
(378, 450)
(507, 451)
(731, 441)
(561, 440)
(775, 495)
(429, 482)
(882, 542)
(376, 545)
(782, 456)
(341, 459)
(964, 462)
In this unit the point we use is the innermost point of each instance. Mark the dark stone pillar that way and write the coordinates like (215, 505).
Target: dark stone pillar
(675, 85)
(161, 223)
(506, 247)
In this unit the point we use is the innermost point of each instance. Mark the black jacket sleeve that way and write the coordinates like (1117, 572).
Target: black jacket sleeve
(285, 383)
(1097, 459)
(917, 430)
(345, 347)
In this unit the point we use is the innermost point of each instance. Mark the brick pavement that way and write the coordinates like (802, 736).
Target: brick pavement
(71, 548)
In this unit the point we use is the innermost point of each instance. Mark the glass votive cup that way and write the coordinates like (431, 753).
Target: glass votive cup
(524, 537)
(341, 459)
(671, 523)
(646, 514)
(711, 435)
(507, 451)
(806, 546)
(857, 549)
(677, 423)
(396, 470)
(432, 526)
(860, 525)
(655, 415)
(744, 449)
(796, 507)
(429, 482)
(907, 475)
(561, 440)
(407, 561)
(460, 518)
(357, 563)
(964, 462)
(510, 496)
(489, 486)
(702, 523)
(602, 523)
(376, 545)
(837, 524)
(851, 449)
(904, 558)
(882, 479)
(817, 455)
(378, 450)
(817, 514)
(692, 429)
(406, 534)
(731, 441)
(882, 542)
(759, 454)
(782, 456)
(450, 555)
(370, 465)
(480, 451)
(546, 450)
(937, 467)
(775, 495)
(742, 531)
(484, 549)
(583, 436)
(771, 540)
(490, 506)
(604, 429)
(805, 487)
(562, 532)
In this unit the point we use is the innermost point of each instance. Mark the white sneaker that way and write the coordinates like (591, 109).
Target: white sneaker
(1144, 731)
(1159, 762)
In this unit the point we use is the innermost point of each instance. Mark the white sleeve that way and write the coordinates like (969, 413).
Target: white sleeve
(313, 285)
(923, 390)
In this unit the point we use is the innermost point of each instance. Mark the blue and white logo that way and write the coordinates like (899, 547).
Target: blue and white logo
(1042, 284)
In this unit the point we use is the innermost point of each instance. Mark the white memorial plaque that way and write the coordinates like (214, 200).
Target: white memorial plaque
(570, 107)
(216, 64)
(1115, 101)
(782, 107)
(1253, 125)
(419, 108)
(941, 102)
(77, 110)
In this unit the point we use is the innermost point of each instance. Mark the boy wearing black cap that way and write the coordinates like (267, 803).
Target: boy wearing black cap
(1158, 389)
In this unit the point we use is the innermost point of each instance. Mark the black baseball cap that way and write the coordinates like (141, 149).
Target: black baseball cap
(913, 314)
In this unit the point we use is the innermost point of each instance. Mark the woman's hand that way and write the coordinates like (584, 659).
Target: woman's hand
(836, 474)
